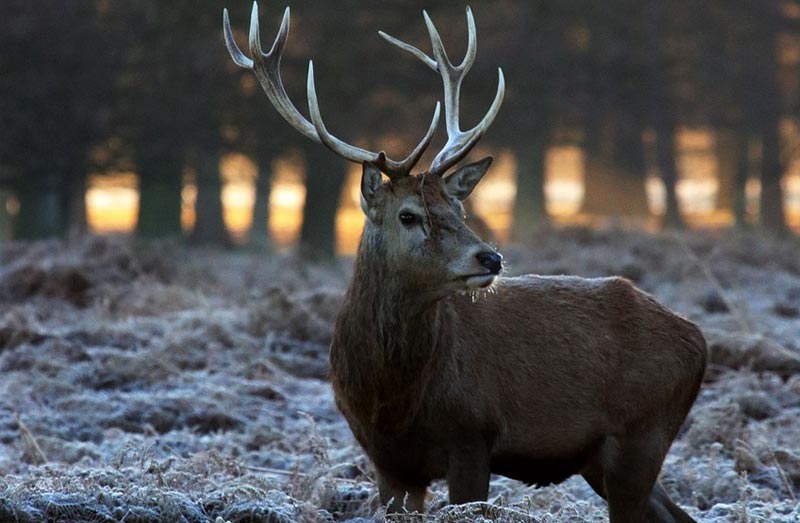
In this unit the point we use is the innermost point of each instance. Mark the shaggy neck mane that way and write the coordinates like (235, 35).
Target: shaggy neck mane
(387, 343)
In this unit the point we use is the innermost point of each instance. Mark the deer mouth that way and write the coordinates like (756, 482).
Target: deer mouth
(479, 281)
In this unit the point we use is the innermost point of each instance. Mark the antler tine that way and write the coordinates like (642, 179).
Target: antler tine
(237, 55)
(459, 145)
(472, 43)
(427, 60)
(266, 67)
(459, 142)
(267, 70)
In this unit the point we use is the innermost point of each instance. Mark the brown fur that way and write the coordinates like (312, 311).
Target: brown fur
(541, 379)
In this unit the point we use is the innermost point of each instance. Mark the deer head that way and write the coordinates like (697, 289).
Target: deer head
(414, 222)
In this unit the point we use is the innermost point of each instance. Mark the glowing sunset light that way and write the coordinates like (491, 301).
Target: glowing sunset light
(286, 200)
(188, 197)
(111, 203)
(349, 218)
(112, 200)
(237, 202)
(563, 186)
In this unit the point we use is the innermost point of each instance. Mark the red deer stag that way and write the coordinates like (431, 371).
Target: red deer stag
(544, 378)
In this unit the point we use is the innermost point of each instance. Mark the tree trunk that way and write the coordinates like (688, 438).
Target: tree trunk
(75, 200)
(209, 224)
(6, 221)
(661, 109)
(258, 237)
(530, 211)
(728, 154)
(766, 110)
(41, 210)
(734, 166)
(631, 168)
(324, 182)
(160, 187)
(740, 182)
(665, 160)
(771, 213)
(615, 169)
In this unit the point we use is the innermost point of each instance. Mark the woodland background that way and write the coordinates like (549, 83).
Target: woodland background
(90, 89)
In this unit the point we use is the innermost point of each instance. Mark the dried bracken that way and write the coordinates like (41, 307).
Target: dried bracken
(158, 399)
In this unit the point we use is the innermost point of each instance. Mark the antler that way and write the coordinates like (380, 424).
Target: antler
(266, 67)
(459, 142)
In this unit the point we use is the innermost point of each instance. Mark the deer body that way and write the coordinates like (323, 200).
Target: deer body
(538, 380)
(541, 379)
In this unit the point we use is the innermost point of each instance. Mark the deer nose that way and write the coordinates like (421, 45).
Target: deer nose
(493, 261)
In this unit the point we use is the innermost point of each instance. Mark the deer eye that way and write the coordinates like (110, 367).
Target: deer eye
(408, 218)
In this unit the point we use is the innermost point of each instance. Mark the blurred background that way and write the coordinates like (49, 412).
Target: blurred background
(130, 118)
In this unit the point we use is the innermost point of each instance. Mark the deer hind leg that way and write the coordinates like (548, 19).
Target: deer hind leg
(660, 509)
(671, 513)
(626, 477)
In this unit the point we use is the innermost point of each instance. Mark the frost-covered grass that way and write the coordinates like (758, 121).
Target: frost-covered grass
(157, 383)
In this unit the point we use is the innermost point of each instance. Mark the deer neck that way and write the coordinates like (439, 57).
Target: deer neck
(388, 342)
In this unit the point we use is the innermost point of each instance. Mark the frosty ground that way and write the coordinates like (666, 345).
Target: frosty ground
(145, 383)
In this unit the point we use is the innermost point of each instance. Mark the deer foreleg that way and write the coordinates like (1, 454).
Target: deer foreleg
(400, 497)
(468, 475)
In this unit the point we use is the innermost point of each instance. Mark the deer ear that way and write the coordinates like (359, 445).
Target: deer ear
(371, 182)
(461, 183)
